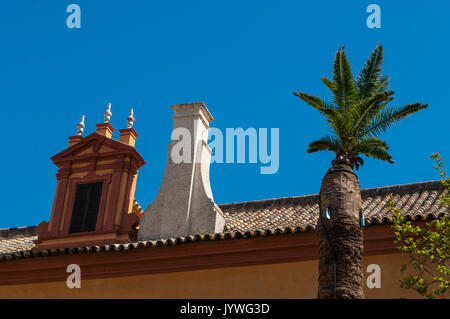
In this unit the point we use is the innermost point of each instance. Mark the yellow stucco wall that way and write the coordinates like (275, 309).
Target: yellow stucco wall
(286, 280)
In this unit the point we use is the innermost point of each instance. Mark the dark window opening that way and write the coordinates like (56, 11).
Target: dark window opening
(85, 207)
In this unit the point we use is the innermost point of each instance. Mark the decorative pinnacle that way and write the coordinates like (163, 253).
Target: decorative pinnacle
(80, 126)
(108, 113)
(130, 119)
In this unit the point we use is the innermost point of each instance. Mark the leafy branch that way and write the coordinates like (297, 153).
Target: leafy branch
(427, 247)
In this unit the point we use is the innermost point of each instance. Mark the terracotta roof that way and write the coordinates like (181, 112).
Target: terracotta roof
(17, 239)
(418, 201)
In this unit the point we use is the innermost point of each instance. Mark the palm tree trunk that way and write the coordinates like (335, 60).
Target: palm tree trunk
(340, 264)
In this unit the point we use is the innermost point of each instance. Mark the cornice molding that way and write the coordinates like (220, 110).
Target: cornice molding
(187, 257)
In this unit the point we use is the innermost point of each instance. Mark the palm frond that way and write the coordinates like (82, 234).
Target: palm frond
(358, 162)
(383, 83)
(317, 103)
(327, 143)
(334, 119)
(377, 152)
(362, 144)
(345, 92)
(338, 98)
(369, 108)
(388, 117)
(329, 84)
(368, 79)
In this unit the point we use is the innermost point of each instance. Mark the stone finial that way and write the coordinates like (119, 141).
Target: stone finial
(80, 126)
(130, 119)
(108, 113)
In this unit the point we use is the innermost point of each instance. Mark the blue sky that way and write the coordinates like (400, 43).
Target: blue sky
(242, 58)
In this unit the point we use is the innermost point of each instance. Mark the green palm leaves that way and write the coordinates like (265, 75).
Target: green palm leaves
(360, 110)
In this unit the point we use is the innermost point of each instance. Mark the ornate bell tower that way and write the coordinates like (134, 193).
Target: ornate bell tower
(94, 196)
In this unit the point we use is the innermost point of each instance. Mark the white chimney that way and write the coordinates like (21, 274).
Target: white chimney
(184, 204)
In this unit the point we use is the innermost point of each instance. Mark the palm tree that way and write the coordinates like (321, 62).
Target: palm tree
(360, 112)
